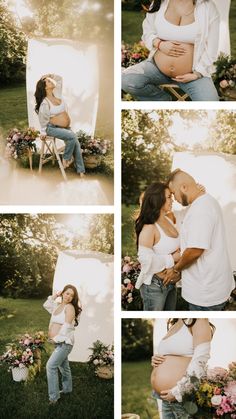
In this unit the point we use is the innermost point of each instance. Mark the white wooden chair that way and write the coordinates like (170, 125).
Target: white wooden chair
(50, 152)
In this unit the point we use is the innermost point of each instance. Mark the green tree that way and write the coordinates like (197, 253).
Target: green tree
(222, 134)
(137, 339)
(102, 233)
(12, 48)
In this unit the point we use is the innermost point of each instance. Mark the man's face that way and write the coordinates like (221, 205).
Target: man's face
(179, 195)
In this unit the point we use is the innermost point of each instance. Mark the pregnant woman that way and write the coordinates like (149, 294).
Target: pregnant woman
(182, 36)
(158, 248)
(55, 121)
(184, 351)
(64, 317)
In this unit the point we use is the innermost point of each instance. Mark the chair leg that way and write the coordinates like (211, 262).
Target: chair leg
(41, 156)
(59, 160)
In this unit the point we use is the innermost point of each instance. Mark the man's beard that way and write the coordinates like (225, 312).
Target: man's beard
(184, 200)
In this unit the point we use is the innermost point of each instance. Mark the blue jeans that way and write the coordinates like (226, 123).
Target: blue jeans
(72, 145)
(217, 307)
(171, 410)
(157, 297)
(59, 360)
(142, 81)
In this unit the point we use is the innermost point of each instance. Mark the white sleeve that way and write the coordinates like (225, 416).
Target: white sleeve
(44, 117)
(58, 89)
(151, 263)
(149, 31)
(209, 56)
(196, 367)
(198, 229)
(50, 304)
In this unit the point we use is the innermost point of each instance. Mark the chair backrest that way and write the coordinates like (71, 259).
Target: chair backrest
(77, 64)
(223, 7)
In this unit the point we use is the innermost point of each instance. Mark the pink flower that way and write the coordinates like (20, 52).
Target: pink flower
(230, 390)
(217, 373)
(130, 287)
(126, 268)
(136, 56)
(224, 84)
(26, 342)
(217, 391)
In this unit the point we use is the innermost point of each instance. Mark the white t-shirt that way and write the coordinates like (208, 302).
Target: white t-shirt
(209, 281)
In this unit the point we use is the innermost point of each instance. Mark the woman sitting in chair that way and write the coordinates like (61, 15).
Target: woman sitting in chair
(55, 121)
(182, 36)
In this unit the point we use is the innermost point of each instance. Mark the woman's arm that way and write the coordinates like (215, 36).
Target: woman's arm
(201, 341)
(44, 117)
(50, 304)
(151, 263)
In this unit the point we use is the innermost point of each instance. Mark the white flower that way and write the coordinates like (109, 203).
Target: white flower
(127, 281)
(21, 365)
(96, 362)
(216, 400)
(130, 295)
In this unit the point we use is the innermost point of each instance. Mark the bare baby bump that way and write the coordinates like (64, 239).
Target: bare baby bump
(62, 120)
(54, 329)
(166, 375)
(175, 66)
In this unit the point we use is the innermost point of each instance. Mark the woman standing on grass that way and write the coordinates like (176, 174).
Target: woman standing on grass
(61, 332)
(183, 38)
(55, 121)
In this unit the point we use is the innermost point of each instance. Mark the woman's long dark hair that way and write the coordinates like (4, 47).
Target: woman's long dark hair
(75, 302)
(40, 93)
(153, 200)
(155, 6)
(189, 323)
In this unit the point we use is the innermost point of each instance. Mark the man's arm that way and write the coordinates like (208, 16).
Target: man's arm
(189, 257)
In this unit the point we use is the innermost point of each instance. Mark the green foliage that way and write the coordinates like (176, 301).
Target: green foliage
(137, 335)
(222, 134)
(12, 48)
(102, 233)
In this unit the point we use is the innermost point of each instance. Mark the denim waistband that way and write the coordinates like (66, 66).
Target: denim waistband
(159, 282)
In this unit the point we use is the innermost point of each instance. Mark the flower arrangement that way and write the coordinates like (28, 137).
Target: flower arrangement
(20, 141)
(93, 146)
(130, 296)
(133, 54)
(35, 341)
(101, 354)
(17, 356)
(225, 76)
(212, 396)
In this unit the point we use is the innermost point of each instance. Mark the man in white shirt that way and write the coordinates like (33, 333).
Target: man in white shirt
(204, 266)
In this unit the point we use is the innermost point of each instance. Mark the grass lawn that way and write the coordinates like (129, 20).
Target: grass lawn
(92, 398)
(13, 108)
(128, 232)
(136, 390)
(132, 26)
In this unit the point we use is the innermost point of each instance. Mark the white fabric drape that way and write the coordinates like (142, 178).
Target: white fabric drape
(92, 274)
(77, 64)
(224, 40)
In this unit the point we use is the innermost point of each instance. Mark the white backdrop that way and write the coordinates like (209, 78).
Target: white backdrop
(223, 7)
(77, 64)
(225, 333)
(217, 172)
(92, 274)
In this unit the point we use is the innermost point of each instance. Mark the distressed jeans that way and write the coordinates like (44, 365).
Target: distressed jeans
(156, 297)
(142, 81)
(72, 145)
(59, 361)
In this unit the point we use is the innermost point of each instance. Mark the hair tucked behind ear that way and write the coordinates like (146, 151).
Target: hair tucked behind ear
(40, 94)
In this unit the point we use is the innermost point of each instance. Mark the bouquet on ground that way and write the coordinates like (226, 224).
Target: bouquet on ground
(212, 396)
(133, 54)
(34, 341)
(101, 354)
(17, 356)
(130, 271)
(225, 75)
(93, 146)
(18, 142)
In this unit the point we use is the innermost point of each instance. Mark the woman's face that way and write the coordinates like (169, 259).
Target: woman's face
(68, 296)
(50, 83)
(169, 200)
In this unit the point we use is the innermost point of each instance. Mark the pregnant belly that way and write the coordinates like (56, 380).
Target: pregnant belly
(175, 66)
(166, 375)
(54, 329)
(61, 119)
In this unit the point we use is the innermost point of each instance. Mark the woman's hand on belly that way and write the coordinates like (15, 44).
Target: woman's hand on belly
(172, 49)
(157, 360)
(167, 396)
(186, 78)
